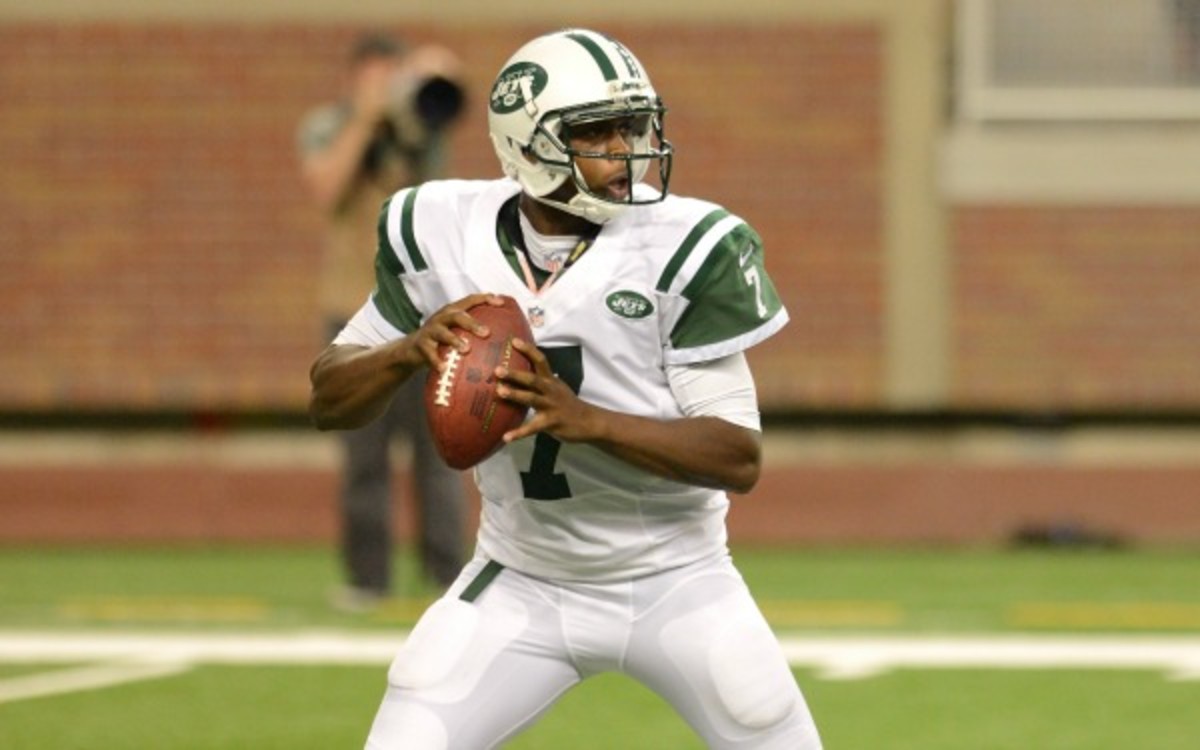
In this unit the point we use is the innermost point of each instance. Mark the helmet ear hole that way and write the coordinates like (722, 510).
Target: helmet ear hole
(543, 148)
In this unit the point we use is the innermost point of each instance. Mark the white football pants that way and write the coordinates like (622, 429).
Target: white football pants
(493, 654)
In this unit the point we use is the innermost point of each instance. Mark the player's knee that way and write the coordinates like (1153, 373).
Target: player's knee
(751, 676)
(408, 725)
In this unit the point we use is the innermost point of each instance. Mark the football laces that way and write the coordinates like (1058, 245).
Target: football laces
(446, 380)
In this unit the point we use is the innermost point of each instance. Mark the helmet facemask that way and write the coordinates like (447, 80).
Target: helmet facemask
(550, 147)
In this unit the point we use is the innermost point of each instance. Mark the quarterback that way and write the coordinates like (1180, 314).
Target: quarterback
(602, 542)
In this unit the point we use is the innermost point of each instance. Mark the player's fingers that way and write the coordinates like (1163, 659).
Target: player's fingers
(462, 320)
(540, 364)
(531, 426)
(440, 335)
(517, 434)
(519, 378)
(436, 335)
(428, 349)
(521, 395)
(479, 298)
(455, 314)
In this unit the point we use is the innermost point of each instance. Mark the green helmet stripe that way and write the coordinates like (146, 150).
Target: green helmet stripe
(631, 63)
(689, 244)
(606, 66)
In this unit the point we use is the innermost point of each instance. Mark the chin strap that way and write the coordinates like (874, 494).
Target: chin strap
(585, 207)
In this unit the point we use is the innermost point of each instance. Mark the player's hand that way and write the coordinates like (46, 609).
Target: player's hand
(422, 345)
(556, 408)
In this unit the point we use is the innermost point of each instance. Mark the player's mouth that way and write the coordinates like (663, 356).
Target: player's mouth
(617, 188)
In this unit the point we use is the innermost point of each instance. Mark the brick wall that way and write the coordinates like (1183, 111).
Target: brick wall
(1087, 307)
(155, 251)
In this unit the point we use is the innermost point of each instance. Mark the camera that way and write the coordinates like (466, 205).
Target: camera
(426, 91)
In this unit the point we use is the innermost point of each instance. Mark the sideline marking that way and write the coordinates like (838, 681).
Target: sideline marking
(216, 609)
(127, 657)
(788, 613)
(1106, 615)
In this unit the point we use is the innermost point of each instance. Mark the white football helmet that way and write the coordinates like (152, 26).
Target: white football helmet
(565, 79)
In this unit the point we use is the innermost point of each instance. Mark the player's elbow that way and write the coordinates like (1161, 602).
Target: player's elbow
(321, 418)
(328, 405)
(328, 415)
(744, 477)
(745, 467)
(322, 414)
(332, 408)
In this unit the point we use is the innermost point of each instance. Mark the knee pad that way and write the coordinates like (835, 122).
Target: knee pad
(751, 674)
(731, 657)
(421, 728)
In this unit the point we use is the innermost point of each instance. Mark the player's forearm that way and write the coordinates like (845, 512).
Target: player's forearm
(705, 451)
(352, 385)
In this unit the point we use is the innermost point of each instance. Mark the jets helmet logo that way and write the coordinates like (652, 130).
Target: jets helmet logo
(516, 84)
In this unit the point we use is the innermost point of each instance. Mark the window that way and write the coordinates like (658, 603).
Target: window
(1037, 60)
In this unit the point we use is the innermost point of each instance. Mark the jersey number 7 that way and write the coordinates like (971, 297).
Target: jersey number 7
(541, 482)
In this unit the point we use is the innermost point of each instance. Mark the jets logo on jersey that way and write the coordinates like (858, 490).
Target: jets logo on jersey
(517, 84)
(629, 304)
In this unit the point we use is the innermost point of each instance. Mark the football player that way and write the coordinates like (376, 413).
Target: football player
(602, 543)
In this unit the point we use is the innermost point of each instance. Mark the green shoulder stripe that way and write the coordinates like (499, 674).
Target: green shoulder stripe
(730, 294)
(385, 254)
(407, 234)
(689, 244)
(390, 297)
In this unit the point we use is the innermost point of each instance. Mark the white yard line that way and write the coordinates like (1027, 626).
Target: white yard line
(332, 647)
(856, 658)
(119, 657)
(90, 677)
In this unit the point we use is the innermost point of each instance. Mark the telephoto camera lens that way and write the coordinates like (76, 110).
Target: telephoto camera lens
(439, 100)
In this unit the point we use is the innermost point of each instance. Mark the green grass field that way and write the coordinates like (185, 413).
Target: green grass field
(926, 597)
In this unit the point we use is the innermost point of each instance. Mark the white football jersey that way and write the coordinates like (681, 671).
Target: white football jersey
(675, 282)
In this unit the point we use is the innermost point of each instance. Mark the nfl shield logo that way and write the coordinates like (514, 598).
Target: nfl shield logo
(537, 316)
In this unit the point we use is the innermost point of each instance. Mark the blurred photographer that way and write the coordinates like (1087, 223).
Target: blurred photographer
(386, 133)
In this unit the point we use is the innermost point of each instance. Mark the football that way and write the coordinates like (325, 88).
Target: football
(466, 418)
